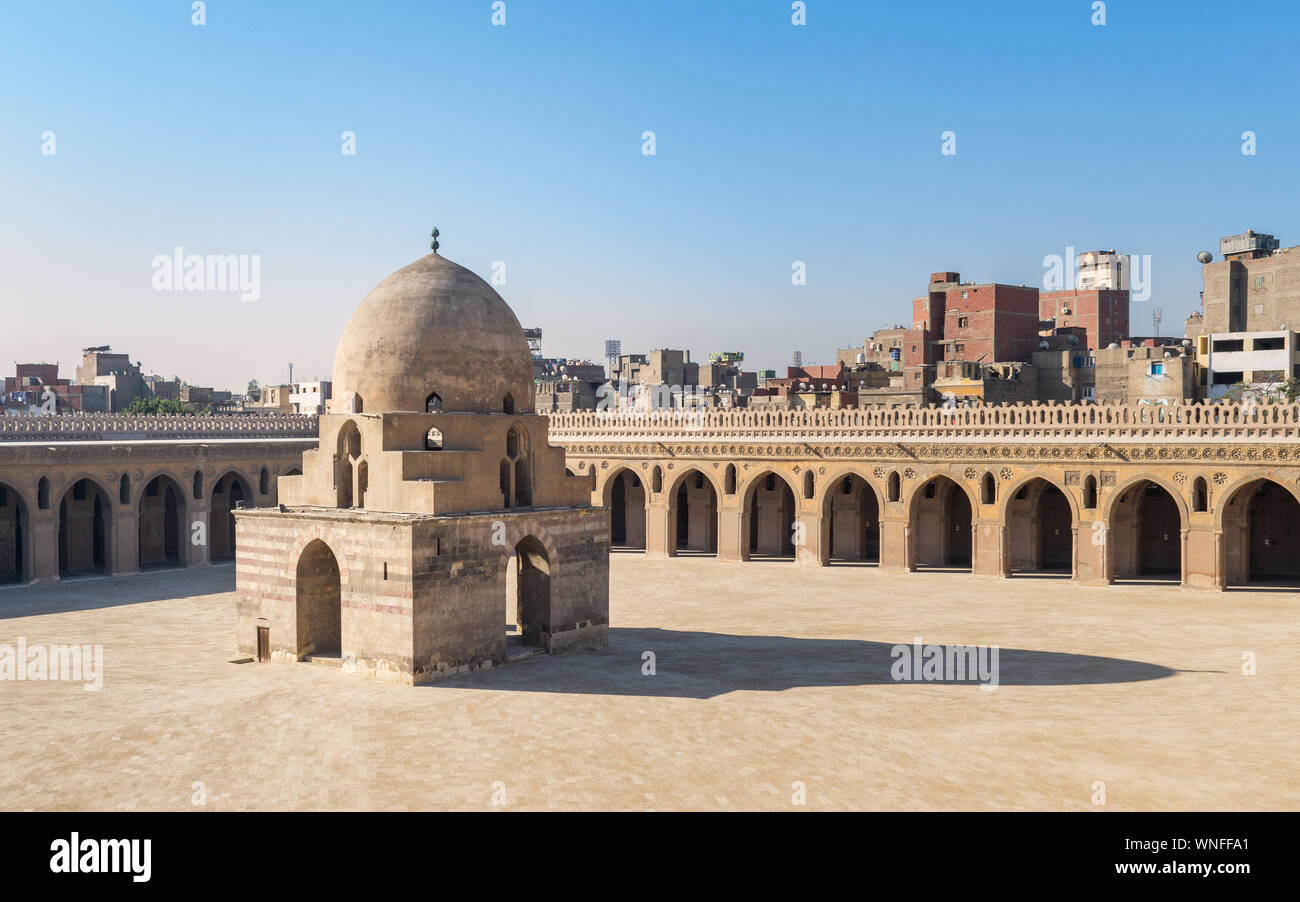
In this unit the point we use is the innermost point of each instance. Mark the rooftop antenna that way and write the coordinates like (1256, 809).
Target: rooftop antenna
(1155, 319)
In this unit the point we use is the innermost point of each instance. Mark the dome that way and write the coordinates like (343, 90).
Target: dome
(434, 328)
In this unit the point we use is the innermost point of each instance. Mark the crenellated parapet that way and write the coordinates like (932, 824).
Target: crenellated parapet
(1204, 422)
(124, 427)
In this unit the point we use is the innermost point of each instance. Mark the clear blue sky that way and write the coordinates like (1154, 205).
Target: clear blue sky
(775, 143)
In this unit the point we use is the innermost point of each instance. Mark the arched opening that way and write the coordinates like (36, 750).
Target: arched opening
(124, 490)
(159, 524)
(198, 485)
(43, 494)
(1261, 534)
(319, 602)
(988, 489)
(657, 480)
(433, 403)
(1090, 492)
(512, 443)
(625, 498)
(528, 598)
(508, 404)
(506, 497)
(229, 493)
(13, 536)
(433, 439)
(851, 511)
(769, 515)
(84, 529)
(363, 483)
(263, 482)
(346, 460)
(941, 525)
(729, 483)
(293, 471)
(809, 486)
(693, 515)
(1040, 535)
(523, 483)
(1200, 495)
(895, 489)
(1146, 534)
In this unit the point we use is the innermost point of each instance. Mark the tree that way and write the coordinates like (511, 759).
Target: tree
(156, 407)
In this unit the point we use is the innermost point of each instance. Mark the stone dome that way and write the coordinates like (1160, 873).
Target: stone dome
(433, 328)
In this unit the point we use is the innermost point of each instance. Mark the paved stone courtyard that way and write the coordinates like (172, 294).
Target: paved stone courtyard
(767, 674)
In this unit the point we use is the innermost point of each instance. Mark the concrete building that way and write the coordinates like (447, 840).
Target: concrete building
(272, 398)
(1147, 371)
(310, 397)
(1254, 288)
(1258, 360)
(121, 377)
(434, 509)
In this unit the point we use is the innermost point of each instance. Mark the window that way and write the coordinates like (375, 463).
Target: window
(965, 294)
(1156, 369)
(1259, 281)
(958, 347)
(963, 322)
(1229, 344)
(1090, 492)
(1089, 393)
(988, 489)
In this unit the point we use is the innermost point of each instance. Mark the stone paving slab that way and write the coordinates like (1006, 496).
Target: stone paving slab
(767, 674)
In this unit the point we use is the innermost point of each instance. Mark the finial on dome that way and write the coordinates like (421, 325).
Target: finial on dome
(434, 243)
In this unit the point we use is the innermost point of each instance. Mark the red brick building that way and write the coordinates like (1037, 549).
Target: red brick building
(1103, 313)
(968, 322)
(24, 389)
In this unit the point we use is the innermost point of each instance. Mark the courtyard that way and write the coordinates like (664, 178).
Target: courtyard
(771, 682)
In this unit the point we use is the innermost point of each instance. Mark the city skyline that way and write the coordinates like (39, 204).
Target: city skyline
(774, 144)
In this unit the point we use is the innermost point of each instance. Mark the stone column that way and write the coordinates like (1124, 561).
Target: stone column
(809, 552)
(198, 554)
(988, 554)
(732, 537)
(124, 551)
(656, 528)
(1091, 567)
(896, 555)
(44, 528)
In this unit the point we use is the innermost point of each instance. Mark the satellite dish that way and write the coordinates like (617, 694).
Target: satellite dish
(1043, 345)
(1205, 257)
